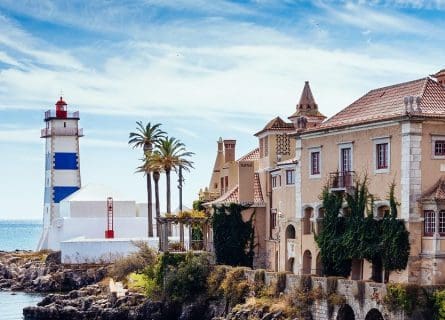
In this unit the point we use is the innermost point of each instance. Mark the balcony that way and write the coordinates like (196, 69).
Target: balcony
(48, 132)
(51, 114)
(341, 181)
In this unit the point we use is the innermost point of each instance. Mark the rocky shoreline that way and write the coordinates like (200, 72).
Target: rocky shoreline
(81, 292)
(43, 273)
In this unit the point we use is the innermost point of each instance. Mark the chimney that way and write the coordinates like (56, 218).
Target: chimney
(246, 181)
(229, 150)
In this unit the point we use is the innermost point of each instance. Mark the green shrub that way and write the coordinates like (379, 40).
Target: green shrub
(187, 280)
(215, 279)
(235, 286)
(439, 304)
(406, 297)
(134, 262)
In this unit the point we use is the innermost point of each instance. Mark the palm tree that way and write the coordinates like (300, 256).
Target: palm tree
(153, 164)
(173, 155)
(147, 137)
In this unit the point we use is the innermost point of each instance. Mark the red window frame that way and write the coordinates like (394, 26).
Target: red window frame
(315, 162)
(382, 155)
(439, 148)
(429, 222)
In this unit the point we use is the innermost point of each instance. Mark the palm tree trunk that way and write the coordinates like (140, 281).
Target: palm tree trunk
(156, 176)
(150, 205)
(167, 174)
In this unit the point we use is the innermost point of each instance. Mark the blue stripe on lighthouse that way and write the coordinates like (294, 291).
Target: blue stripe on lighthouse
(61, 193)
(65, 161)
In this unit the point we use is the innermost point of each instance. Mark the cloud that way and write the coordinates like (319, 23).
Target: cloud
(374, 19)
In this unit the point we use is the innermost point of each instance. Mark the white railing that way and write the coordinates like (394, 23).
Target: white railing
(69, 115)
(61, 132)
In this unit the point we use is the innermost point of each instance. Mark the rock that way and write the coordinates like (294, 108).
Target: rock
(54, 258)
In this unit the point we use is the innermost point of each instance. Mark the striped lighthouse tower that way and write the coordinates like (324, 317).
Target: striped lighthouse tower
(62, 168)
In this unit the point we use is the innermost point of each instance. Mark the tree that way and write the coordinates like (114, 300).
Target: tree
(147, 137)
(173, 155)
(153, 164)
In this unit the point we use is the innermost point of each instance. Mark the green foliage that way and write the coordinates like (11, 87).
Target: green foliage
(188, 279)
(135, 262)
(439, 304)
(334, 255)
(395, 238)
(215, 279)
(197, 205)
(406, 297)
(357, 235)
(235, 286)
(233, 238)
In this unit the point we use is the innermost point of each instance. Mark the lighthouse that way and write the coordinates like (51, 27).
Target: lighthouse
(62, 168)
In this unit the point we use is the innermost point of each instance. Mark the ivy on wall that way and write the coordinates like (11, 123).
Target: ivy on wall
(355, 234)
(233, 238)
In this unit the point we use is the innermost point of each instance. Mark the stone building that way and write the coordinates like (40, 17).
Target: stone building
(391, 134)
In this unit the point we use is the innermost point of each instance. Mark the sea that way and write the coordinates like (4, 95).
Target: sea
(18, 235)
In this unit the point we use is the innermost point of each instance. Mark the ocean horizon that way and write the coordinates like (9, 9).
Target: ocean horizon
(19, 234)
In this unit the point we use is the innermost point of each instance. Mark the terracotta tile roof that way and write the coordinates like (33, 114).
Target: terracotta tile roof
(257, 193)
(251, 156)
(388, 103)
(277, 124)
(436, 192)
(232, 196)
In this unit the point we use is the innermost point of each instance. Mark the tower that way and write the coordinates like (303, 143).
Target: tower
(62, 168)
(307, 114)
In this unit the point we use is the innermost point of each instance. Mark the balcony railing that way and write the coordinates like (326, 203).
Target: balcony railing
(51, 114)
(341, 180)
(47, 132)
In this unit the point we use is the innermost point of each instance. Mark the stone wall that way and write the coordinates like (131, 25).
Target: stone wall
(362, 297)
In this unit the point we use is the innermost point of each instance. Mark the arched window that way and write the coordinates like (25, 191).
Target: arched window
(307, 262)
(307, 220)
(429, 223)
(290, 232)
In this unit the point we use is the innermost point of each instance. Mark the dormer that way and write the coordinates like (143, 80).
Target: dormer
(440, 77)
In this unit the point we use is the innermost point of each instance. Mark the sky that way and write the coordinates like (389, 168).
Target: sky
(204, 69)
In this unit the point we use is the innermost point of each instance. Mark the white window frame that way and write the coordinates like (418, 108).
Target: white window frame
(434, 138)
(277, 176)
(381, 140)
(311, 151)
(345, 145)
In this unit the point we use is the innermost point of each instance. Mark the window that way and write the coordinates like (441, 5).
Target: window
(429, 222)
(442, 222)
(226, 178)
(346, 163)
(315, 162)
(222, 186)
(273, 218)
(382, 155)
(290, 177)
(276, 181)
(439, 147)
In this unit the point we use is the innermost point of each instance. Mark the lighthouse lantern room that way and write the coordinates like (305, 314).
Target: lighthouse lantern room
(62, 168)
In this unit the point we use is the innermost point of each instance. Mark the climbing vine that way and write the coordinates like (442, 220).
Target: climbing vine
(355, 234)
(233, 238)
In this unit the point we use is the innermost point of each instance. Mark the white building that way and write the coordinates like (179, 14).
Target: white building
(75, 217)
